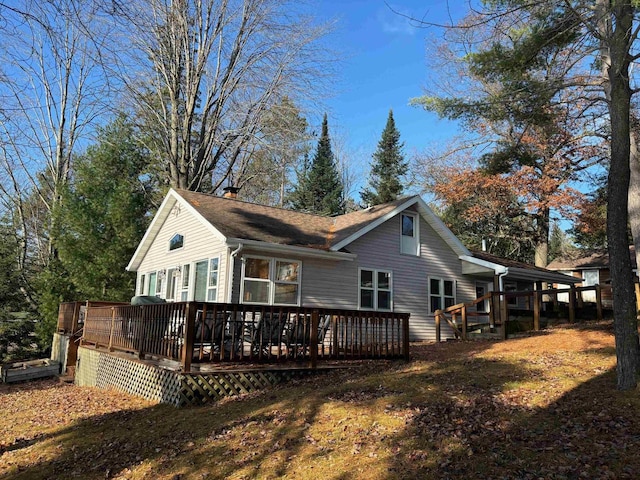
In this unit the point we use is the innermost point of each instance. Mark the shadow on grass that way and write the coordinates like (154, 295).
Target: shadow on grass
(451, 414)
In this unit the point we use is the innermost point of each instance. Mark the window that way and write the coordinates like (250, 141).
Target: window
(141, 285)
(271, 281)
(184, 294)
(159, 282)
(441, 294)
(591, 277)
(409, 234)
(172, 283)
(375, 290)
(511, 299)
(152, 284)
(481, 307)
(212, 284)
(176, 242)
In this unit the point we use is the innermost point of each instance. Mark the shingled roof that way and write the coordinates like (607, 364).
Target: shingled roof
(592, 260)
(249, 221)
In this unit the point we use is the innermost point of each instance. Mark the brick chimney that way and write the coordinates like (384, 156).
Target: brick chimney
(230, 192)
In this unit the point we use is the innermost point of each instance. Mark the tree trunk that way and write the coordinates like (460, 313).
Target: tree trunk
(634, 193)
(542, 242)
(624, 311)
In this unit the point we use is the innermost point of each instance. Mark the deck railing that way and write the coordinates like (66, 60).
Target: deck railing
(71, 315)
(498, 315)
(214, 332)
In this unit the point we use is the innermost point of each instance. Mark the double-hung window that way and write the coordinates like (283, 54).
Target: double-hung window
(442, 293)
(375, 291)
(212, 284)
(271, 281)
(184, 285)
(409, 240)
(172, 283)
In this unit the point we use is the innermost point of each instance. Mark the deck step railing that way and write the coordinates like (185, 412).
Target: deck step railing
(461, 317)
(219, 332)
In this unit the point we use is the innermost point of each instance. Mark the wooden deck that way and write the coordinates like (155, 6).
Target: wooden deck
(193, 334)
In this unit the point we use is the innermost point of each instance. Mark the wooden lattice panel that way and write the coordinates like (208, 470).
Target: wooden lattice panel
(138, 378)
(106, 370)
(198, 389)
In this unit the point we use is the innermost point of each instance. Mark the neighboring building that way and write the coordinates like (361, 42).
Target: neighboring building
(393, 257)
(591, 269)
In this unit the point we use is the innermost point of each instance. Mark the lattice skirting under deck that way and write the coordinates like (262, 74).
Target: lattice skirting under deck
(105, 370)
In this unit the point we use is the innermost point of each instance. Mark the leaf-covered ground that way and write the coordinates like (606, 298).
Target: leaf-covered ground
(538, 407)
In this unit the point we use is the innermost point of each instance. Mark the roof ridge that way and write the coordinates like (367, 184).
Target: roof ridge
(283, 209)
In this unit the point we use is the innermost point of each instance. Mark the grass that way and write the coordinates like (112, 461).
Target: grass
(541, 406)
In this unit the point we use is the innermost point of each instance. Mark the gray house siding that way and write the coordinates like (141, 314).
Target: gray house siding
(380, 249)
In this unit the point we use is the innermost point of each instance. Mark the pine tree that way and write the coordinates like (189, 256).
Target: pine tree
(319, 188)
(388, 167)
(106, 214)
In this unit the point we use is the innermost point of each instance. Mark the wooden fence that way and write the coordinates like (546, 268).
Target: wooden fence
(465, 317)
(71, 315)
(206, 332)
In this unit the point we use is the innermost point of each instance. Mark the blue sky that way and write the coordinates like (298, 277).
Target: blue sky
(383, 67)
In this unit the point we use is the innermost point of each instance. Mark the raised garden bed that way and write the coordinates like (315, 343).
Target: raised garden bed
(21, 371)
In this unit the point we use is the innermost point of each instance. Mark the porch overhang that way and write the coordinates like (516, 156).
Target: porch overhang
(477, 267)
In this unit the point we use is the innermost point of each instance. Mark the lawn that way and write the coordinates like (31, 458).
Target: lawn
(541, 406)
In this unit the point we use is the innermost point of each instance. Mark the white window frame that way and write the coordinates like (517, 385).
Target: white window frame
(171, 289)
(216, 287)
(169, 249)
(441, 295)
(410, 245)
(271, 280)
(185, 282)
(161, 275)
(155, 276)
(375, 288)
(141, 284)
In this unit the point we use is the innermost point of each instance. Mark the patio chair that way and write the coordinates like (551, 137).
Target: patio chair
(268, 333)
(299, 338)
(209, 331)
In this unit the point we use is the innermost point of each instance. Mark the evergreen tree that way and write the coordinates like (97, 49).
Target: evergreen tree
(388, 167)
(106, 214)
(319, 189)
(16, 317)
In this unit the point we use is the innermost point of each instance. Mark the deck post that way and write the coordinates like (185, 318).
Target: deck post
(463, 314)
(637, 285)
(536, 307)
(76, 317)
(313, 338)
(437, 319)
(405, 337)
(572, 304)
(504, 314)
(113, 322)
(599, 300)
(189, 331)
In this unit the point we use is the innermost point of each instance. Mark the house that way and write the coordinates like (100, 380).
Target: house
(398, 256)
(591, 269)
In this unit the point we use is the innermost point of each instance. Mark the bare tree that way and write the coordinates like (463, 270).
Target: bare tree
(53, 90)
(202, 73)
